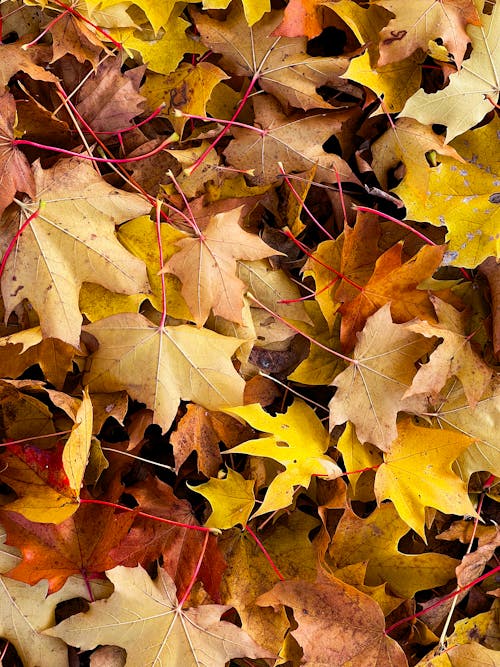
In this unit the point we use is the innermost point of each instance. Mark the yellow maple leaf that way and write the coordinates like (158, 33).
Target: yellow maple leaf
(231, 498)
(298, 441)
(162, 366)
(416, 473)
(72, 241)
(375, 540)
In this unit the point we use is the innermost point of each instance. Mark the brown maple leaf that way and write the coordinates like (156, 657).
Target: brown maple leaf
(295, 140)
(15, 170)
(109, 99)
(206, 265)
(354, 634)
(282, 65)
(179, 547)
(394, 282)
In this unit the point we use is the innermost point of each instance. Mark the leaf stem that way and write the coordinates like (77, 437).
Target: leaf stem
(349, 360)
(265, 552)
(194, 576)
(302, 202)
(443, 600)
(21, 229)
(231, 122)
(107, 503)
(126, 160)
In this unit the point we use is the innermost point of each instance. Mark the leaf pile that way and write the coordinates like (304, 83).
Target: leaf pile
(249, 358)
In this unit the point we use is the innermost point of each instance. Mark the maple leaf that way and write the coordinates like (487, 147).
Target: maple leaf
(393, 83)
(462, 199)
(232, 500)
(298, 441)
(109, 100)
(413, 26)
(416, 474)
(375, 539)
(357, 456)
(25, 348)
(409, 141)
(70, 34)
(301, 18)
(168, 633)
(160, 52)
(201, 431)
(248, 575)
(14, 59)
(15, 171)
(160, 367)
(476, 83)
(180, 547)
(452, 410)
(70, 242)
(354, 633)
(295, 140)
(48, 482)
(281, 64)
(454, 356)
(396, 283)
(370, 392)
(212, 257)
(81, 544)
(188, 89)
(27, 610)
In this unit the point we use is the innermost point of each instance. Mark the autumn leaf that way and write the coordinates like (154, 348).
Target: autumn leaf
(396, 283)
(453, 411)
(231, 497)
(386, 80)
(180, 547)
(161, 367)
(354, 633)
(80, 544)
(298, 441)
(409, 142)
(454, 356)
(168, 632)
(375, 539)
(247, 575)
(74, 233)
(476, 82)
(200, 431)
(27, 610)
(188, 90)
(48, 482)
(110, 100)
(416, 24)
(212, 257)
(417, 473)
(15, 171)
(463, 199)
(294, 140)
(28, 347)
(281, 65)
(370, 392)
(70, 34)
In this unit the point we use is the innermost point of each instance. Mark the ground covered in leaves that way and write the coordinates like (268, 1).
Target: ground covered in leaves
(250, 401)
